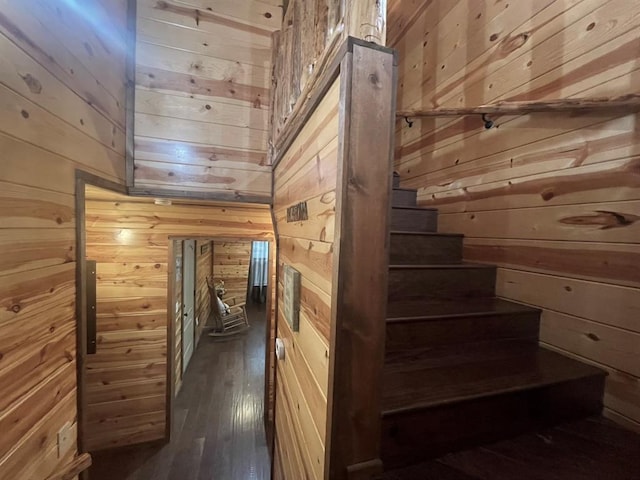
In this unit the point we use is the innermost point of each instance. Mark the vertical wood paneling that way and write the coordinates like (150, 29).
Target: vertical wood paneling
(129, 239)
(62, 96)
(306, 172)
(552, 199)
(203, 76)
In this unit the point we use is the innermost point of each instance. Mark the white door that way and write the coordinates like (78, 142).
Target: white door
(188, 301)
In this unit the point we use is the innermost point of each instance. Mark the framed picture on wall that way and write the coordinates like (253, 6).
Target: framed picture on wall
(291, 296)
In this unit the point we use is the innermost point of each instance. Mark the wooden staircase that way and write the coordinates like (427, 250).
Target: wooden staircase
(463, 367)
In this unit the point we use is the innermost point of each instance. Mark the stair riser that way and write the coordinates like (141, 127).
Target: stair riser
(402, 336)
(414, 220)
(431, 283)
(417, 436)
(404, 198)
(428, 249)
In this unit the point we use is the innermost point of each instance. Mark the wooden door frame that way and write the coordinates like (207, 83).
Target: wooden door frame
(195, 282)
(83, 179)
(171, 332)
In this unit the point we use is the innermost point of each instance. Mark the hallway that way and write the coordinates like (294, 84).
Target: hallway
(218, 431)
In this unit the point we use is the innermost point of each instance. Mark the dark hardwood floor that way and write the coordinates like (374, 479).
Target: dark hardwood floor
(218, 419)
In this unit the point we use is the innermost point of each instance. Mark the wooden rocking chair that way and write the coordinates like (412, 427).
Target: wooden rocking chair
(234, 320)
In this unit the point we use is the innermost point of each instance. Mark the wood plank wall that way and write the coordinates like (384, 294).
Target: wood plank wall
(231, 262)
(204, 269)
(309, 28)
(307, 172)
(203, 73)
(62, 97)
(129, 238)
(312, 31)
(553, 199)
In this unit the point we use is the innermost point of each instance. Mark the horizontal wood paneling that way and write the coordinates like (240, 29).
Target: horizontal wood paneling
(203, 75)
(307, 172)
(551, 198)
(62, 95)
(231, 262)
(129, 238)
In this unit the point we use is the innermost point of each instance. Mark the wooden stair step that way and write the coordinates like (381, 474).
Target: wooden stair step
(417, 385)
(396, 180)
(416, 334)
(410, 247)
(425, 309)
(439, 404)
(457, 354)
(414, 282)
(404, 197)
(414, 219)
(559, 453)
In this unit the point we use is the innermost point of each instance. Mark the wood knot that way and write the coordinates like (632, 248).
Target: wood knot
(493, 37)
(547, 195)
(16, 308)
(32, 82)
(24, 114)
(591, 26)
(593, 336)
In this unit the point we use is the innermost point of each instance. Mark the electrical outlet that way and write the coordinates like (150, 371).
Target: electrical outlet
(66, 439)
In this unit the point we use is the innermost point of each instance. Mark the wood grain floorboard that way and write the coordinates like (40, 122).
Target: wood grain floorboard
(218, 430)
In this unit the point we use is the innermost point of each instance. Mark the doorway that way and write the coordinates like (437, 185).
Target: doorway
(125, 390)
(242, 274)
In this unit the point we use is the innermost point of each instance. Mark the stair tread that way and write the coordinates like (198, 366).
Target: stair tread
(548, 453)
(427, 234)
(414, 385)
(405, 189)
(409, 207)
(436, 266)
(453, 308)
(447, 355)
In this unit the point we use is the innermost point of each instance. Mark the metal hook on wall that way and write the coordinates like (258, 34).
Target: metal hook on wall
(488, 123)
(409, 122)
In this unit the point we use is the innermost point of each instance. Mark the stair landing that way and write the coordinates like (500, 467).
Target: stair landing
(589, 449)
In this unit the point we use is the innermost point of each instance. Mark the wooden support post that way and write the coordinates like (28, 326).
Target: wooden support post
(361, 248)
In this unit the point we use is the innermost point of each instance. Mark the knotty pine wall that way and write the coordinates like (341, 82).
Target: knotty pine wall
(307, 172)
(553, 199)
(231, 261)
(129, 238)
(62, 104)
(202, 96)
